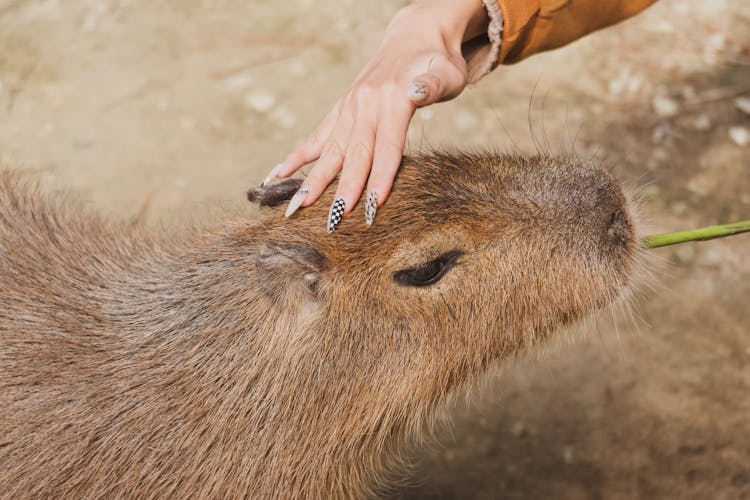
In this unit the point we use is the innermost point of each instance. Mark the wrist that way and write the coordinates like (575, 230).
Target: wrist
(457, 20)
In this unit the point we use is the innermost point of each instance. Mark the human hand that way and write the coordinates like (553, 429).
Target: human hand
(418, 63)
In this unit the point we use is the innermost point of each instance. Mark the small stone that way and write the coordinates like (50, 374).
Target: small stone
(567, 454)
(238, 81)
(261, 102)
(681, 8)
(702, 123)
(740, 135)
(651, 191)
(284, 117)
(662, 26)
(425, 114)
(618, 85)
(685, 254)
(679, 208)
(660, 133)
(635, 83)
(297, 68)
(717, 42)
(743, 104)
(187, 123)
(687, 92)
(665, 106)
(465, 120)
(518, 429)
(698, 186)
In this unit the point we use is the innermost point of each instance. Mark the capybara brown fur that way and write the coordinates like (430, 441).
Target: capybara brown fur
(269, 359)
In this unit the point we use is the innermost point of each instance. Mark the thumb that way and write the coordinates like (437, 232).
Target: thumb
(429, 88)
(424, 89)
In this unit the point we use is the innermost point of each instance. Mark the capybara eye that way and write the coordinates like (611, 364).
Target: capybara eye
(429, 272)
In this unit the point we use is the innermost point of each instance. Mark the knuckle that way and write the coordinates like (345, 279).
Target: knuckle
(389, 150)
(366, 92)
(359, 152)
(332, 151)
(314, 139)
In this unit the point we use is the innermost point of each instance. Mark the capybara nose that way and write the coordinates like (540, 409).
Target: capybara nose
(619, 228)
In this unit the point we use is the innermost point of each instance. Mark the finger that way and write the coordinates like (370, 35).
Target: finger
(359, 154)
(310, 149)
(390, 139)
(331, 156)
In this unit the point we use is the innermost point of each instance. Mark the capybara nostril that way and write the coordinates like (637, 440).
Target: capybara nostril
(619, 228)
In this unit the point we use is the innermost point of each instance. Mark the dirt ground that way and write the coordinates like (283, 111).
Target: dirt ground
(165, 110)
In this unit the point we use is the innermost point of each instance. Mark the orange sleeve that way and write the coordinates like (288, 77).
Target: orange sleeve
(532, 26)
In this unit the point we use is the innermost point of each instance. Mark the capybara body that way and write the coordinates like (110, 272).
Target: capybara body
(268, 359)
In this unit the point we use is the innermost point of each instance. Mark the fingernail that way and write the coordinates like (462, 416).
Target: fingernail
(336, 213)
(417, 91)
(299, 197)
(272, 175)
(371, 206)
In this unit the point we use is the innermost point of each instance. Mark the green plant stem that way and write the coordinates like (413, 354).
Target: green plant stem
(705, 233)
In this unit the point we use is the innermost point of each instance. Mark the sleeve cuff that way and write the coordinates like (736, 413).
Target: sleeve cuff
(482, 53)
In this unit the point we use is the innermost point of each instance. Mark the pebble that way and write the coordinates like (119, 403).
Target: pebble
(261, 102)
(284, 117)
(425, 114)
(238, 81)
(679, 208)
(681, 8)
(187, 123)
(665, 106)
(717, 42)
(518, 429)
(651, 191)
(740, 135)
(660, 133)
(567, 454)
(685, 253)
(465, 120)
(702, 123)
(743, 104)
(297, 68)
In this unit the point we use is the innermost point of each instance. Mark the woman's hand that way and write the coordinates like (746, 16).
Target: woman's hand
(418, 63)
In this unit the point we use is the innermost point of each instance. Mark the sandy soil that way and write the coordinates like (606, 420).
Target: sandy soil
(163, 111)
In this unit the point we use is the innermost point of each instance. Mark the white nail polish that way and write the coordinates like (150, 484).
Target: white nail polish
(371, 206)
(297, 200)
(271, 175)
(417, 91)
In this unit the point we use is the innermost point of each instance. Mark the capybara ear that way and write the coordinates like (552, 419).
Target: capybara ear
(274, 195)
(288, 267)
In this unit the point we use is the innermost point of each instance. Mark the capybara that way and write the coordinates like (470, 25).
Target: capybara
(268, 359)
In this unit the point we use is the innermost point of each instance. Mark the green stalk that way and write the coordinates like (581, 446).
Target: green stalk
(705, 233)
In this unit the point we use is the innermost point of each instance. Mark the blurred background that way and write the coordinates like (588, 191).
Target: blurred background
(162, 111)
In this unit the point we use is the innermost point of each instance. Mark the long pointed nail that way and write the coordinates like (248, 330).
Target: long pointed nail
(371, 206)
(417, 91)
(335, 214)
(272, 175)
(299, 197)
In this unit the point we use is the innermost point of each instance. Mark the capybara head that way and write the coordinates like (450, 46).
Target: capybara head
(472, 256)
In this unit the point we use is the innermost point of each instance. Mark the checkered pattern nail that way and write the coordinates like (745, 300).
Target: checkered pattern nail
(371, 206)
(336, 213)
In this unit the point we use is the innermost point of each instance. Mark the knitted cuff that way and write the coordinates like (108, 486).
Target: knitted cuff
(482, 53)
(494, 31)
